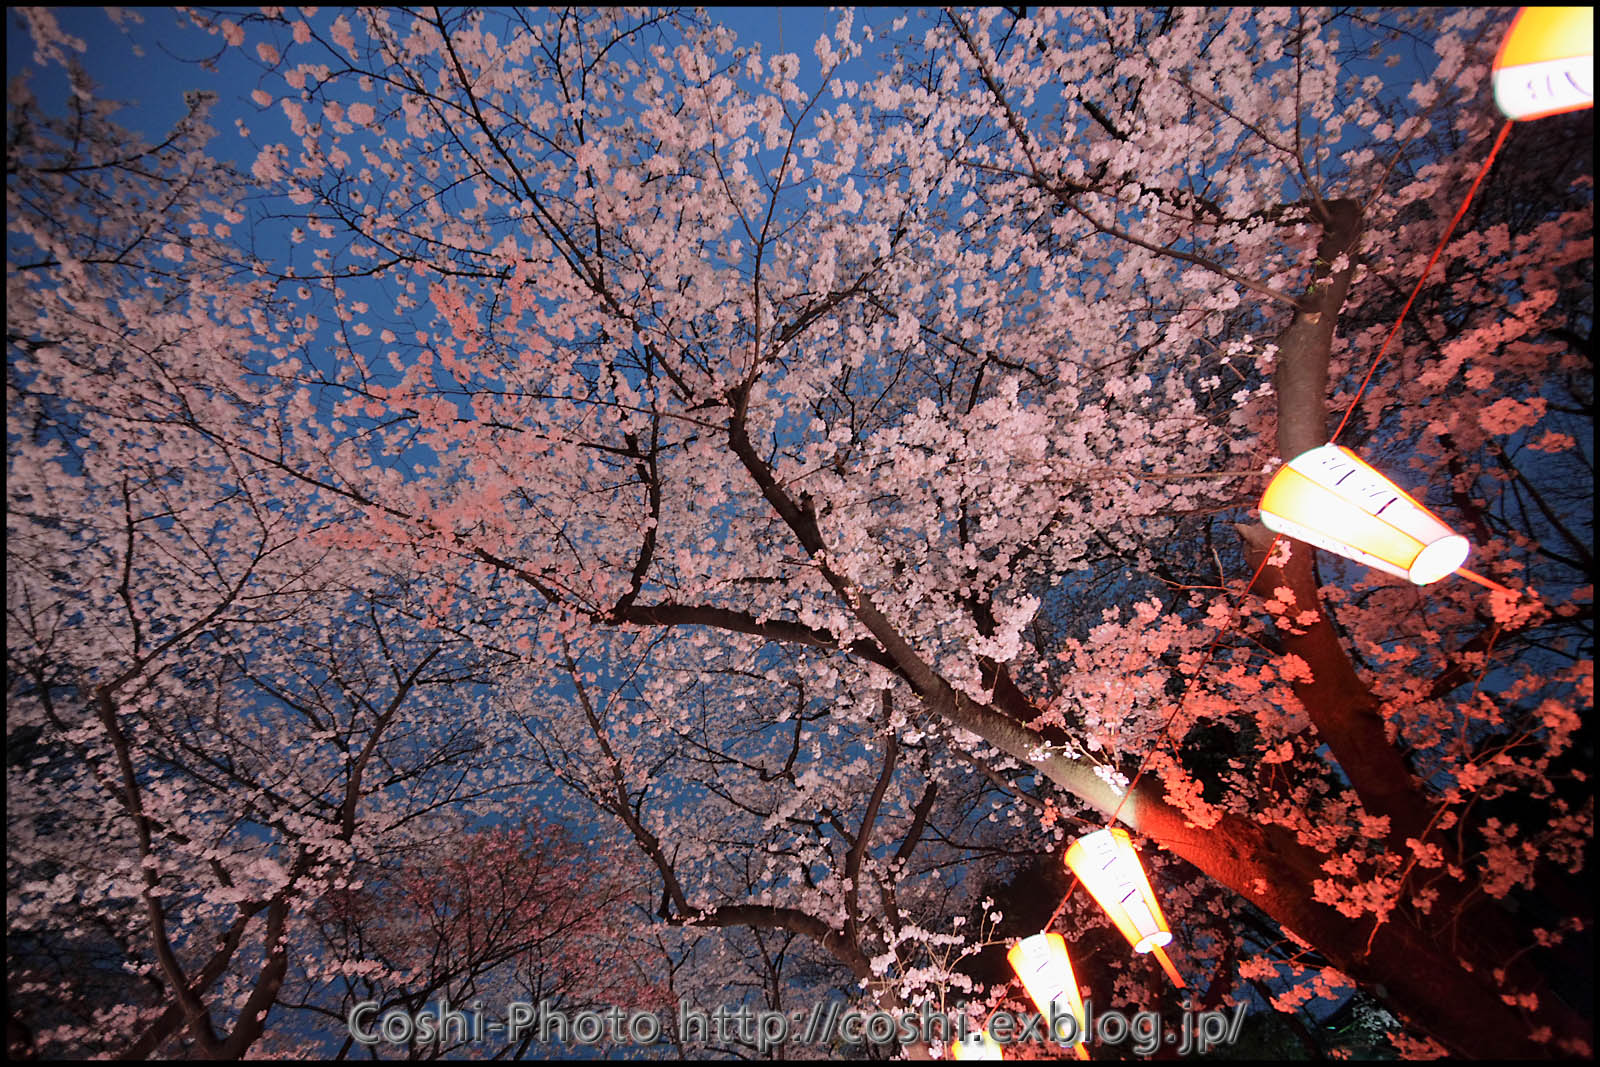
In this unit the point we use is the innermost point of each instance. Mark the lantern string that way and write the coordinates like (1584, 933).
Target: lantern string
(1486, 582)
(1483, 171)
(1166, 727)
(1449, 230)
(1461, 212)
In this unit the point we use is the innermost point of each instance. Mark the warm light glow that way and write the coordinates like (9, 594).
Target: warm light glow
(1546, 63)
(1107, 865)
(1330, 498)
(978, 1046)
(1046, 972)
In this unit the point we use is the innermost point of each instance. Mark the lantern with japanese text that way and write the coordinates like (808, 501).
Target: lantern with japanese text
(1108, 866)
(1545, 65)
(1330, 498)
(1041, 962)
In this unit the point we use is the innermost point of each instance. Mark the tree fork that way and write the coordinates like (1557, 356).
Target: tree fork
(1267, 866)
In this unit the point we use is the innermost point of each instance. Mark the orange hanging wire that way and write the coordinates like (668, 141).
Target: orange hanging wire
(1144, 762)
(1437, 252)
(1488, 583)
(1166, 727)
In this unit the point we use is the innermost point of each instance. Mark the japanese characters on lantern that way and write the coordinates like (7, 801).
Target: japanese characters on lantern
(1545, 65)
(1108, 866)
(1330, 498)
(1106, 863)
(1042, 963)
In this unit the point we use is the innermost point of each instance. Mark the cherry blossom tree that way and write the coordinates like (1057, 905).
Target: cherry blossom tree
(845, 465)
(474, 921)
(216, 717)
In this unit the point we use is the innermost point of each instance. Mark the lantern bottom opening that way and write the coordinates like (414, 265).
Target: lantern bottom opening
(1439, 559)
(1153, 941)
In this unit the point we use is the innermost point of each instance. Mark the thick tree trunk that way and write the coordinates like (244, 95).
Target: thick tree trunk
(1421, 981)
(1420, 976)
(1400, 962)
(1339, 704)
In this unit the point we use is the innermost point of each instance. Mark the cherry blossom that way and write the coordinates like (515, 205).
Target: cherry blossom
(800, 496)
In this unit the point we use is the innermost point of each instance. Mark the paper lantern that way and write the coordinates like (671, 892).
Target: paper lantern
(1329, 498)
(1108, 866)
(1546, 63)
(978, 1046)
(1046, 972)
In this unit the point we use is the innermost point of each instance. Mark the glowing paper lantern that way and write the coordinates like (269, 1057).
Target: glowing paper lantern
(1107, 865)
(1546, 63)
(1046, 972)
(978, 1046)
(1329, 498)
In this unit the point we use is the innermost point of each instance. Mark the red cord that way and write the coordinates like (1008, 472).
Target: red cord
(1462, 210)
(1500, 140)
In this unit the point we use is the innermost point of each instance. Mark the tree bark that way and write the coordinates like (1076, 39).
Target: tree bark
(1400, 962)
